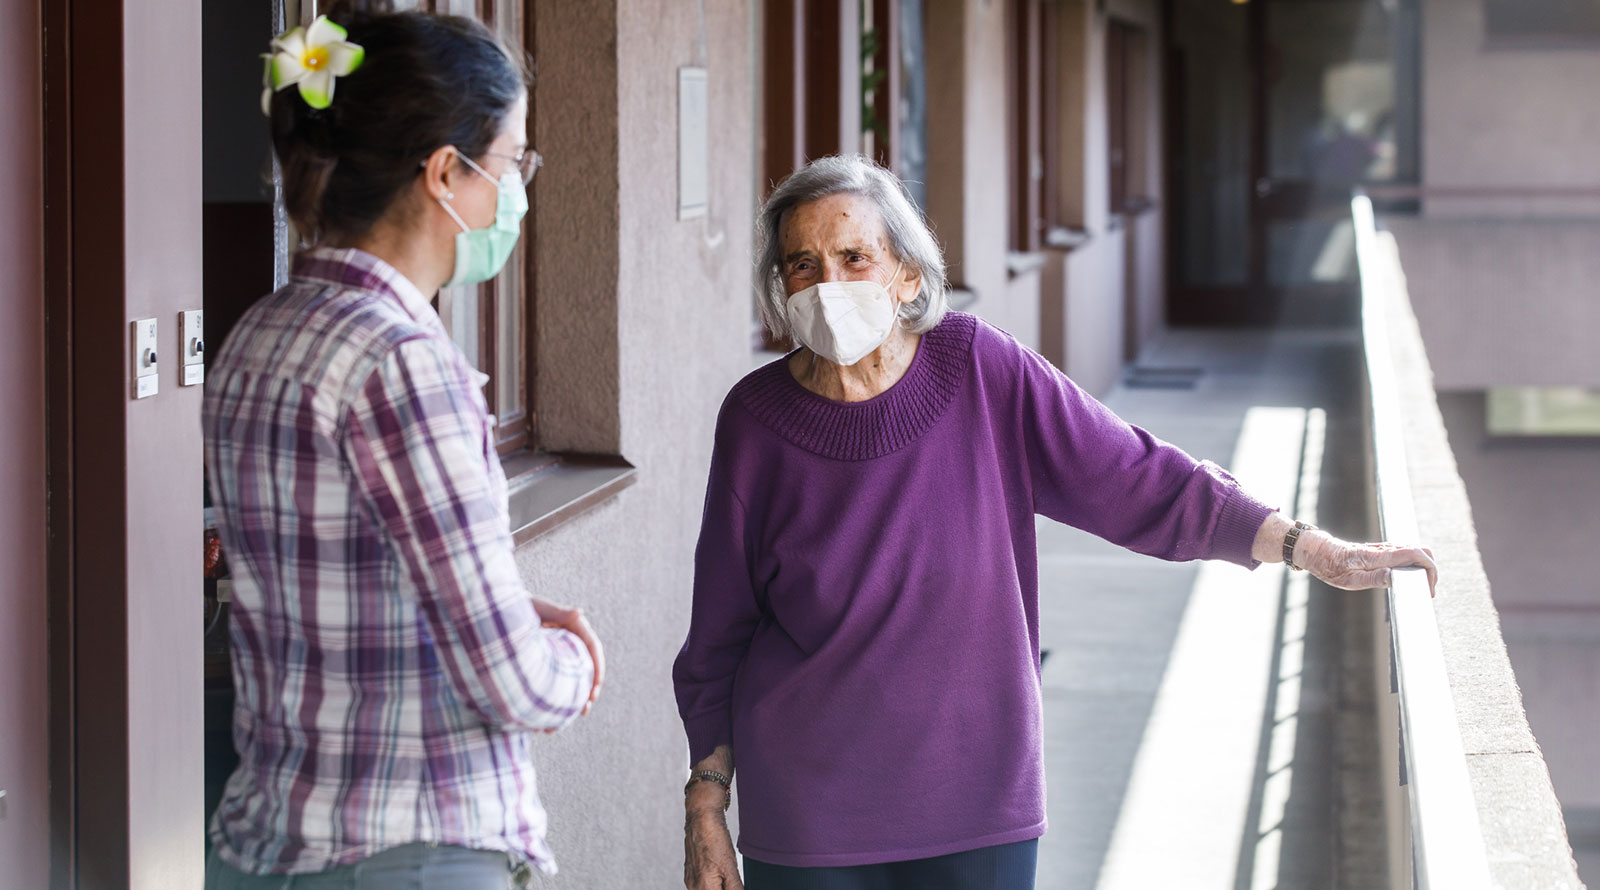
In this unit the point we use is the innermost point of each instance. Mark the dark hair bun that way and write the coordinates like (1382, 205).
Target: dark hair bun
(426, 81)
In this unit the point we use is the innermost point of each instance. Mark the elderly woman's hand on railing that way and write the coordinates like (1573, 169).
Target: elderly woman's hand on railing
(1352, 566)
(1339, 563)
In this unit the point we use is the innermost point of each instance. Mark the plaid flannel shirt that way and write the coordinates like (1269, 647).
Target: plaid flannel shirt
(389, 665)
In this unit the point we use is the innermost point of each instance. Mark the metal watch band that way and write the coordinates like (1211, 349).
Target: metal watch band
(713, 776)
(1289, 539)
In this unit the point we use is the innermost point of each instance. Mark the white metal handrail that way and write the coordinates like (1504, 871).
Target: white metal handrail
(1447, 842)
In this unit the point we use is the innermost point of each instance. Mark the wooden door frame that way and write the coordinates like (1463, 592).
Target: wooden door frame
(123, 240)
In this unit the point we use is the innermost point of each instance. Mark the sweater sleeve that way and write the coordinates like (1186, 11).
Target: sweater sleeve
(1092, 470)
(416, 449)
(722, 619)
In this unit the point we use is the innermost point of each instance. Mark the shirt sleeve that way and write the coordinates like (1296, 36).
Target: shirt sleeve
(1092, 470)
(722, 620)
(416, 439)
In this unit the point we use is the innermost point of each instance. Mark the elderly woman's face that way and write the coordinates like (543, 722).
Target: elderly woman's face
(840, 238)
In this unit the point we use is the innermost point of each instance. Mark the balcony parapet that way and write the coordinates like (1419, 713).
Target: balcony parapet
(1481, 808)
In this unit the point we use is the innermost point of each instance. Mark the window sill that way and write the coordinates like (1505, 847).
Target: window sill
(1066, 238)
(1020, 263)
(1139, 205)
(548, 490)
(962, 298)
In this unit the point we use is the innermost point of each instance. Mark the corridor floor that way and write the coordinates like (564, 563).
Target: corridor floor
(1190, 736)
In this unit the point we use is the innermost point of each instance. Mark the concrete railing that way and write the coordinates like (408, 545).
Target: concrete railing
(1479, 809)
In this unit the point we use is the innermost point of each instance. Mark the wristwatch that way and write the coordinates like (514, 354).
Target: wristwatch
(707, 775)
(1289, 539)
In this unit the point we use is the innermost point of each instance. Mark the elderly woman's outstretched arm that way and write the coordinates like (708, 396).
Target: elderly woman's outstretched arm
(1091, 469)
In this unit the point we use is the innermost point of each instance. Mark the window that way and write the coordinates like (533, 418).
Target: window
(1553, 22)
(810, 59)
(1034, 37)
(489, 321)
(1127, 117)
(894, 107)
(1543, 411)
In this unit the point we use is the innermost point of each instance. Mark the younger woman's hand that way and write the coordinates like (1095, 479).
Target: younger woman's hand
(572, 620)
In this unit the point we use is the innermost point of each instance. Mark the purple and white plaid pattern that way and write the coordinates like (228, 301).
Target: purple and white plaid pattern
(389, 665)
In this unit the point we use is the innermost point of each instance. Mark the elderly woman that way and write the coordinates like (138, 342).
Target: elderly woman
(865, 630)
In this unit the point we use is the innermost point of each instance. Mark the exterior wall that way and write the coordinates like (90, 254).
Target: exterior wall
(968, 141)
(161, 276)
(1125, 257)
(1504, 302)
(644, 324)
(24, 751)
(1526, 494)
(1504, 117)
(1503, 284)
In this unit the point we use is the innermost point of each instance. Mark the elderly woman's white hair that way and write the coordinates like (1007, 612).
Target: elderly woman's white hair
(909, 238)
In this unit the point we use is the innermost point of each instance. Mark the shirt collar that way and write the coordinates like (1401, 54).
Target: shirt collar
(351, 267)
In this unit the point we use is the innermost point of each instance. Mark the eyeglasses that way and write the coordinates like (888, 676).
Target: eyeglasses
(528, 163)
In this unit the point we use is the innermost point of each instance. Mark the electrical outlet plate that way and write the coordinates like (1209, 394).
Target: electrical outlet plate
(191, 340)
(146, 376)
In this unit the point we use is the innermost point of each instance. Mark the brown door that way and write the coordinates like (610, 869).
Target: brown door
(1279, 109)
(24, 743)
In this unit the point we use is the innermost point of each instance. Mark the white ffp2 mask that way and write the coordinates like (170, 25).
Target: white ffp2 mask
(844, 321)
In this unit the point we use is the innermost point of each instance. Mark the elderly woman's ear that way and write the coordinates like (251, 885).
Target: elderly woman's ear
(909, 285)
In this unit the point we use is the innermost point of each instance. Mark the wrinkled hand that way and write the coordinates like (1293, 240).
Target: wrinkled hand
(708, 859)
(1351, 566)
(569, 619)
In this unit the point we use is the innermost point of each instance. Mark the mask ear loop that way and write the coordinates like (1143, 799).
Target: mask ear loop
(453, 215)
(451, 210)
(898, 266)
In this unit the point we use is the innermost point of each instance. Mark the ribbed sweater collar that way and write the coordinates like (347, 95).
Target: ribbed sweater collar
(879, 426)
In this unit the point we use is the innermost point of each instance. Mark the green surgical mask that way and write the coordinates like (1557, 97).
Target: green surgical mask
(481, 253)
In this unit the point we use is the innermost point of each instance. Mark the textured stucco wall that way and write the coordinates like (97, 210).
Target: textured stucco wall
(1095, 282)
(1124, 259)
(1503, 117)
(1505, 302)
(968, 142)
(649, 319)
(24, 828)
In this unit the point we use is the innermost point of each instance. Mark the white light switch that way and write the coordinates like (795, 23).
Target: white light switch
(191, 339)
(146, 382)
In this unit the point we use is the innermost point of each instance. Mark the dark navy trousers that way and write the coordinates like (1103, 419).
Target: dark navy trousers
(1006, 867)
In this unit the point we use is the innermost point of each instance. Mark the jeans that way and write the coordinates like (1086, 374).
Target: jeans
(409, 867)
(1004, 867)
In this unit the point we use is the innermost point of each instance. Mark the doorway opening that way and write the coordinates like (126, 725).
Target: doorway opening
(1278, 109)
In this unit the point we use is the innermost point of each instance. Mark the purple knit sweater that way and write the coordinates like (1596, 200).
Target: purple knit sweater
(865, 628)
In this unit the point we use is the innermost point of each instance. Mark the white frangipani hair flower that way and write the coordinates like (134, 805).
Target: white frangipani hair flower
(310, 58)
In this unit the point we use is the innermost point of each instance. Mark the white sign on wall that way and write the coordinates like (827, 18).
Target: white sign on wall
(694, 173)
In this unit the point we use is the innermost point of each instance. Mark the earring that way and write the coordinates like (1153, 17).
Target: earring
(449, 196)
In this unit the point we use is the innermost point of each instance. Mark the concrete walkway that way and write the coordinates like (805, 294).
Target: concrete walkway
(1190, 709)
